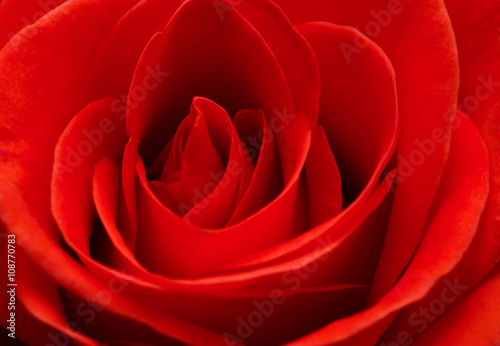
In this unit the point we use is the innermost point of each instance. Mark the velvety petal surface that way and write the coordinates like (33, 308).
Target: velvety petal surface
(452, 226)
(427, 101)
(474, 321)
(14, 18)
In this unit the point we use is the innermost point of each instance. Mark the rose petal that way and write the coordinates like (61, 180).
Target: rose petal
(127, 214)
(233, 181)
(479, 98)
(38, 312)
(97, 320)
(38, 84)
(479, 53)
(93, 133)
(455, 217)
(323, 180)
(173, 161)
(232, 242)
(301, 70)
(350, 123)
(426, 101)
(14, 18)
(267, 179)
(106, 185)
(210, 188)
(341, 227)
(476, 263)
(73, 277)
(114, 66)
(474, 321)
(194, 172)
(145, 311)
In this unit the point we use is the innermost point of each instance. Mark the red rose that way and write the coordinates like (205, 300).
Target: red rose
(250, 172)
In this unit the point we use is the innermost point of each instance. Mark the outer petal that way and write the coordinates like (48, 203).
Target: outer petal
(38, 85)
(70, 275)
(474, 321)
(35, 290)
(477, 33)
(76, 155)
(117, 59)
(14, 17)
(480, 98)
(38, 310)
(476, 263)
(399, 27)
(452, 226)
